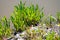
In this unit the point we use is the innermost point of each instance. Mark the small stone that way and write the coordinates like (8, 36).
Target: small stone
(17, 36)
(20, 39)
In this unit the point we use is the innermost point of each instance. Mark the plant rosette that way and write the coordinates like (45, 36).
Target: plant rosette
(5, 30)
(24, 16)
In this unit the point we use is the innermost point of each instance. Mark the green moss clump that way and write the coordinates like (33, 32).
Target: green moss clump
(24, 16)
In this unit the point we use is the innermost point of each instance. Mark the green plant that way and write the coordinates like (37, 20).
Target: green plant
(50, 36)
(24, 16)
(1, 31)
(50, 20)
(4, 28)
(33, 15)
(17, 17)
(58, 17)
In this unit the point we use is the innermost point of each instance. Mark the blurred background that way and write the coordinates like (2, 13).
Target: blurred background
(50, 6)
